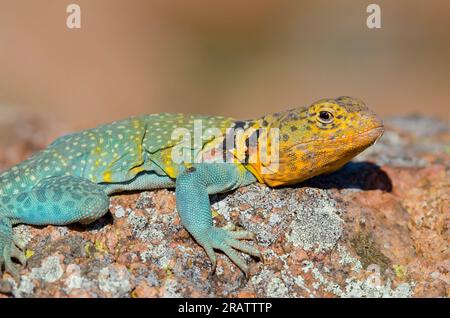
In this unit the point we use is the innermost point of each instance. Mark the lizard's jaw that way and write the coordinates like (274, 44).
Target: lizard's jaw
(376, 134)
(306, 160)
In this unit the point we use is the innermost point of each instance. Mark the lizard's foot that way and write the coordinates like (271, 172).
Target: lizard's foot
(227, 240)
(9, 250)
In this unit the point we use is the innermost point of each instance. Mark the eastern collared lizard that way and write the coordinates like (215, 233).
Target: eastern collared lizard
(71, 180)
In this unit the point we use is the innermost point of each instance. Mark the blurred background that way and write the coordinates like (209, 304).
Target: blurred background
(224, 57)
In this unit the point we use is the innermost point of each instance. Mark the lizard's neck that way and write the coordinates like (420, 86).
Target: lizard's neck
(258, 146)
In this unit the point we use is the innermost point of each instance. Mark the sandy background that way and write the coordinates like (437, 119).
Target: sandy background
(234, 58)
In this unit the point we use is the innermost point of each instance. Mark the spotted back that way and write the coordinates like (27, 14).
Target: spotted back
(118, 151)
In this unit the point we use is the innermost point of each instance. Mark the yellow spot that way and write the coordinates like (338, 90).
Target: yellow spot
(400, 271)
(87, 249)
(137, 169)
(170, 170)
(29, 253)
(168, 271)
(107, 176)
(100, 247)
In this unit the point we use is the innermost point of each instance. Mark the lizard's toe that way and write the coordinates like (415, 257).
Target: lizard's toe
(241, 246)
(228, 242)
(212, 257)
(19, 255)
(8, 251)
(242, 235)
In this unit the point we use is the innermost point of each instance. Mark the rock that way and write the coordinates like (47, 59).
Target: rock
(378, 227)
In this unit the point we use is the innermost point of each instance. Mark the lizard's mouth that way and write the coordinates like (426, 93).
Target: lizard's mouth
(369, 137)
(376, 131)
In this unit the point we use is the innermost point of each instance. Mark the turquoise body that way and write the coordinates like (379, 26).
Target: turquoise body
(71, 180)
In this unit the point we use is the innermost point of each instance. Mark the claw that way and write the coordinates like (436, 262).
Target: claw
(212, 257)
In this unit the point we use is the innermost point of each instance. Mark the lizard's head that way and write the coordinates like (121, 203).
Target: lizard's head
(321, 138)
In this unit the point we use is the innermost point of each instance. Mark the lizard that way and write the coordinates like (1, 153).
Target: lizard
(72, 179)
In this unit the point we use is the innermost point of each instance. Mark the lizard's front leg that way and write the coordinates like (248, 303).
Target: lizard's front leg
(193, 187)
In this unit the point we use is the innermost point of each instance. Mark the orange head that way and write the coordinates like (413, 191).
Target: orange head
(317, 139)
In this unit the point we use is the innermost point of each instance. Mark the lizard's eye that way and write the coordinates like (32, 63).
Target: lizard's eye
(325, 117)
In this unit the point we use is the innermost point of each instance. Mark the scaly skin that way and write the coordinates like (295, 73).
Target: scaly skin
(70, 181)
